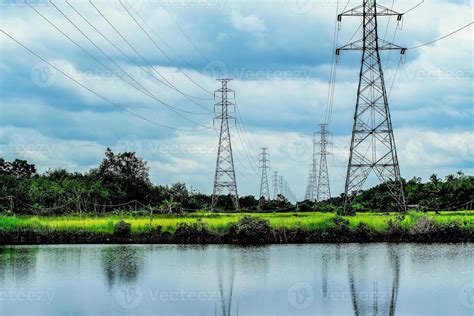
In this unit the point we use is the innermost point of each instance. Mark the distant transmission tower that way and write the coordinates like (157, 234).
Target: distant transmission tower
(225, 173)
(311, 189)
(264, 165)
(275, 185)
(323, 191)
(281, 186)
(373, 144)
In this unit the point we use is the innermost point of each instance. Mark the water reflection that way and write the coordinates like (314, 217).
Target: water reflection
(375, 279)
(17, 263)
(374, 287)
(122, 264)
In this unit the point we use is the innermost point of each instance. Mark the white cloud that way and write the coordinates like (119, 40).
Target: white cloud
(248, 23)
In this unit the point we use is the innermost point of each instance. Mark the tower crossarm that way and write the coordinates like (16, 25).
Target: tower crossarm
(380, 11)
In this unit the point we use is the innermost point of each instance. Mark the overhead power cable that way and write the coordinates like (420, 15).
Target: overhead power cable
(137, 14)
(162, 51)
(185, 34)
(162, 81)
(443, 37)
(136, 51)
(96, 93)
(142, 90)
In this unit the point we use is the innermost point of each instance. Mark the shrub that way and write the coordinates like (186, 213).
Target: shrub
(424, 225)
(395, 225)
(340, 222)
(192, 232)
(364, 230)
(122, 228)
(251, 230)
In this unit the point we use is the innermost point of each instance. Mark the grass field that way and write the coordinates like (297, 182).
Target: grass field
(220, 222)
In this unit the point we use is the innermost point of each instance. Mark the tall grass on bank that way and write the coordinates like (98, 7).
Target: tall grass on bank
(221, 222)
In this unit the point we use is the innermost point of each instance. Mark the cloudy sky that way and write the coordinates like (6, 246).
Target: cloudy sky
(277, 52)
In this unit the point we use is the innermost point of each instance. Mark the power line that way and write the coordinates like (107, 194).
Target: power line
(149, 94)
(144, 91)
(136, 51)
(185, 35)
(414, 7)
(96, 93)
(443, 37)
(169, 47)
(161, 50)
(166, 83)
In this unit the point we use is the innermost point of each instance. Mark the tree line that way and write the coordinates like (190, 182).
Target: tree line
(121, 182)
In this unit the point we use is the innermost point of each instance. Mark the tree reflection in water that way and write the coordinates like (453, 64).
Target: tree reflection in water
(17, 263)
(122, 264)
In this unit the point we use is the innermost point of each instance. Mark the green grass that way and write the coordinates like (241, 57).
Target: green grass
(220, 222)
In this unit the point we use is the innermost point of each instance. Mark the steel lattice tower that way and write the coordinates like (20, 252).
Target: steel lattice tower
(264, 166)
(323, 191)
(373, 144)
(311, 189)
(225, 173)
(275, 185)
(281, 186)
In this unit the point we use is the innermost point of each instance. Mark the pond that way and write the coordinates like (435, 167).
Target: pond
(326, 279)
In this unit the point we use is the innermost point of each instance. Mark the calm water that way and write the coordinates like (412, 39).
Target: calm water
(375, 279)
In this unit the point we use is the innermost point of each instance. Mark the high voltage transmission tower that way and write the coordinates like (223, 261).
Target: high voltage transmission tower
(264, 166)
(225, 172)
(311, 189)
(373, 144)
(323, 191)
(275, 185)
(281, 186)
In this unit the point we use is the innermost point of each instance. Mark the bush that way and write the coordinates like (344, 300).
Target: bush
(251, 230)
(424, 225)
(395, 225)
(194, 232)
(122, 229)
(340, 223)
(364, 230)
